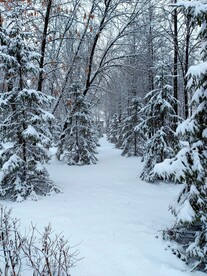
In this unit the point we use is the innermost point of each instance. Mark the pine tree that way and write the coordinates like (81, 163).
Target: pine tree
(113, 129)
(131, 143)
(24, 121)
(78, 142)
(119, 131)
(190, 209)
(158, 124)
(99, 130)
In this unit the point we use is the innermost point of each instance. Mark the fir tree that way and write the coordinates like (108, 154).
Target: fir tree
(99, 130)
(113, 129)
(158, 124)
(119, 135)
(190, 209)
(24, 121)
(96, 132)
(130, 142)
(78, 142)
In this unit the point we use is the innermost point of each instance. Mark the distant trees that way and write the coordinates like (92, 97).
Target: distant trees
(93, 57)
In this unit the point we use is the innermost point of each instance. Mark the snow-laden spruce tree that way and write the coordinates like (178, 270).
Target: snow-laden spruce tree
(112, 133)
(77, 145)
(24, 122)
(130, 144)
(190, 209)
(119, 131)
(157, 124)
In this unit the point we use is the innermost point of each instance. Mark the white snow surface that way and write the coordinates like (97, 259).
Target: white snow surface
(111, 215)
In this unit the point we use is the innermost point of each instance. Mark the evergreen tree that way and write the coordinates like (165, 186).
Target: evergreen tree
(113, 129)
(158, 124)
(99, 130)
(119, 136)
(130, 142)
(190, 209)
(78, 142)
(24, 121)
(96, 132)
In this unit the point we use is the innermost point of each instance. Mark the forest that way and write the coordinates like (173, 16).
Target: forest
(81, 76)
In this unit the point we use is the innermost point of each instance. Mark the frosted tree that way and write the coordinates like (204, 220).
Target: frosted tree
(112, 133)
(77, 145)
(119, 130)
(131, 143)
(158, 124)
(24, 121)
(190, 209)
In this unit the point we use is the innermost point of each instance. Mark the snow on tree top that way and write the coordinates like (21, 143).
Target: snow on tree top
(199, 5)
(189, 125)
(12, 163)
(204, 134)
(172, 167)
(185, 213)
(30, 132)
(198, 69)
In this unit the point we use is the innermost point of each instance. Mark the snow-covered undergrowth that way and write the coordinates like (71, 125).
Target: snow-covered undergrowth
(111, 215)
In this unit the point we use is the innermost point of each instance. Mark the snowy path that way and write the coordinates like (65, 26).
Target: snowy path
(111, 214)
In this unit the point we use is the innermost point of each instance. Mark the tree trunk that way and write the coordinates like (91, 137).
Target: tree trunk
(186, 65)
(175, 61)
(151, 50)
(95, 41)
(43, 45)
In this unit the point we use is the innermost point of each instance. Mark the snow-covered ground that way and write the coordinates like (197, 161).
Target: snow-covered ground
(111, 215)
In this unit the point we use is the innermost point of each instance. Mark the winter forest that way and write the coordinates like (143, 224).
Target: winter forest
(103, 137)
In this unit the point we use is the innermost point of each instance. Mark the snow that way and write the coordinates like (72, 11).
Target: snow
(13, 162)
(198, 69)
(199, 5)
(111, 215)
(30, 131)
(172, 168)
(189, 125)
(185, 212)
(204, 134)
